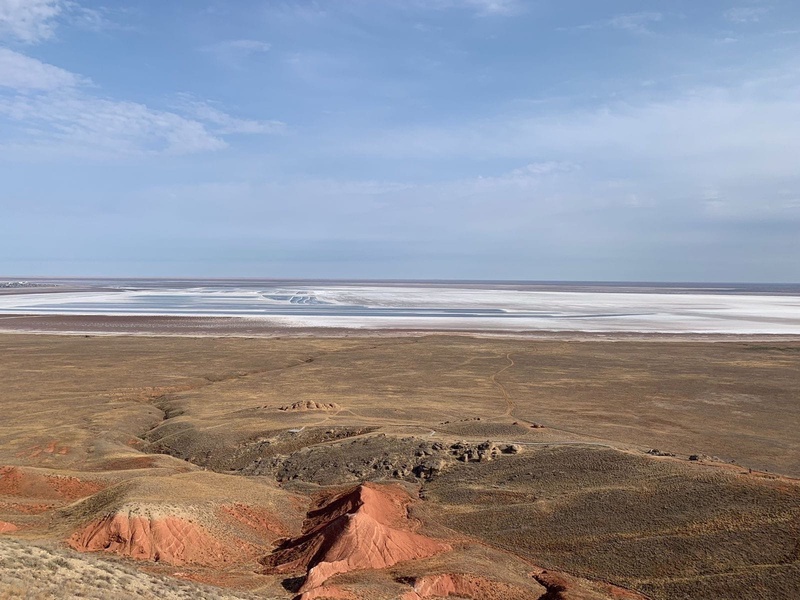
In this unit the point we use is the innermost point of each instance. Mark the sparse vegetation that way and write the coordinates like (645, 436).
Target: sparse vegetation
(37, 572)
(544, 450)
(656, 526)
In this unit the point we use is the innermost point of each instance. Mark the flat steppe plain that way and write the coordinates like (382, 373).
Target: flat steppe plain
(538, 468)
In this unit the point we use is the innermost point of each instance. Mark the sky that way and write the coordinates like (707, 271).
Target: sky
(622, 140)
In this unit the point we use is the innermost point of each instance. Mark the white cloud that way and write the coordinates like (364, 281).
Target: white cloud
(246, 46)
(222, 123)
(89, 18)
(495, 7)
(506, 205)
(543, 168)
(756, 114)
(479, 7)
(234, 52)
(53, 111)
(742, 140)
(531, 175)
(20, 72)
(73, 123)
(29, 21)
(745, 14)
(635, 22)
(34, 21)
(638, 23)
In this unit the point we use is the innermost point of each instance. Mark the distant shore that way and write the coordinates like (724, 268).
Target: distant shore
(242, 327)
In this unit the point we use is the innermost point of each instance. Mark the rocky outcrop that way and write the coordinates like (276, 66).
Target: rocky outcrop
(376, 457)
(310, 405)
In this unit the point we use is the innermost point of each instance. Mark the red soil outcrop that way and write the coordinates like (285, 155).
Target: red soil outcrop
(464, 586)
(167, 539)
(16, 481)
(6, 527)
(366, 527)
(37, 451)
(329, 592)
(256, 518)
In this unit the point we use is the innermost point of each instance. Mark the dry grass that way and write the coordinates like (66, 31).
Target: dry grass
(734, 400)
(659, 526)
(35, 572)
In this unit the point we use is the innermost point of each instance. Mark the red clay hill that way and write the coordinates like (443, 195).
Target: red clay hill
(168, 539)
(366, 527)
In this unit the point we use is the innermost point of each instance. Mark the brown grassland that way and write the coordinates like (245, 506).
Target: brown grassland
(531, 468)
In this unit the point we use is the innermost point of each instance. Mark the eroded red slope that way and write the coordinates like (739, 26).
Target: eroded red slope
(366, 527)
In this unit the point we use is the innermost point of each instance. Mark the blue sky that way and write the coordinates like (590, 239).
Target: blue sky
(482, 139)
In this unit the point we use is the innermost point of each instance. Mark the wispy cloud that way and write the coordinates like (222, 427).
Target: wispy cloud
(35, 21)
(56, 111)
(508, 206)
(481, 8)
(50, 110)
(68, 123)
(745, 14)
(233, 52)
(22, 73)
(742, 140)
(29, 21)
(495, 7)
(638, 23)
(538, 169)
(90, 19)
(221, 122)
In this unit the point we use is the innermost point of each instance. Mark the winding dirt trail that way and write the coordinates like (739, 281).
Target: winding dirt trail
(510, 406)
